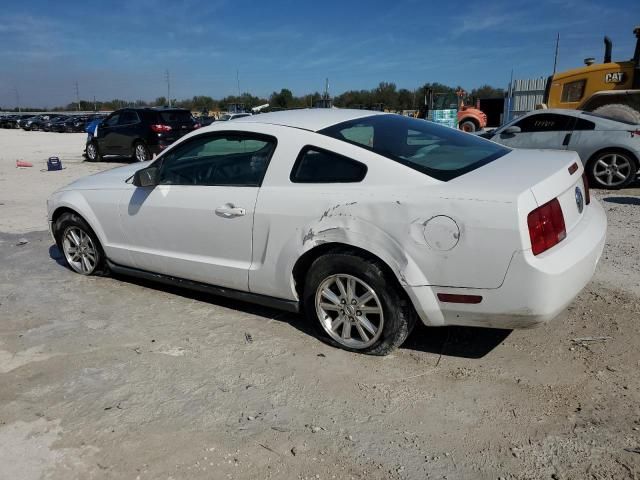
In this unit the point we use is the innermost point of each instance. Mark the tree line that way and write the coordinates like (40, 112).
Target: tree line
(386, 95)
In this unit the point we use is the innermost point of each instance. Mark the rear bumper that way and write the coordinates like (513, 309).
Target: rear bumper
(535, 288)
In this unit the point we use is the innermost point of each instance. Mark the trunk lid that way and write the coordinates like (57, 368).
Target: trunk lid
(543, 173)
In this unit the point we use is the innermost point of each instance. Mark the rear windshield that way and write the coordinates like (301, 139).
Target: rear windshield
(175, 116)
(440, 152)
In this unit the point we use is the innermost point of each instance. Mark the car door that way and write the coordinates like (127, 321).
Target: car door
(125, 132)
(586, 140)
(106, 132)
(540, 130)
(197, 222)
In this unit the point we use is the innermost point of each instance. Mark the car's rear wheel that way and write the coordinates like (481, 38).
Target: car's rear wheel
(93, 154)
(354, 304)
(140, 152)
(468, 126)
(611, 169)
(80, 246)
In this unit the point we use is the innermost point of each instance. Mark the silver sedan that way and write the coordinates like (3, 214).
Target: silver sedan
(609, 149)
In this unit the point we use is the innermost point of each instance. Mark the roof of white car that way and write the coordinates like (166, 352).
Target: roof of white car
(313, 119)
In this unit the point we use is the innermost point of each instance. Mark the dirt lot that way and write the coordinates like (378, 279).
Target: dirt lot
(111, 378)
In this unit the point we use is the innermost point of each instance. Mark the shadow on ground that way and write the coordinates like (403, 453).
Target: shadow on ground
(464, 342)
(623, 200)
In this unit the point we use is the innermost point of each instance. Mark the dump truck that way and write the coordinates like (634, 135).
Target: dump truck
(609, 88)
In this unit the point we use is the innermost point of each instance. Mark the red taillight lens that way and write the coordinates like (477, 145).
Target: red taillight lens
(159, 128)
(546, 226)
(587, 194)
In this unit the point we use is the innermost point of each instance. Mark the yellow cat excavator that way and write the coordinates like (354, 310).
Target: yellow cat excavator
(610, 88)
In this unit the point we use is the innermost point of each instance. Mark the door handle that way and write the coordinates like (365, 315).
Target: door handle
(229, 211)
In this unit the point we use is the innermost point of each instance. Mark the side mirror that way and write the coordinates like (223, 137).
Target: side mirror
(147, 177)
(512, 130)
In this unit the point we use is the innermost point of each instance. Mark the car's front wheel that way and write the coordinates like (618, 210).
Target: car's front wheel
(93, 154)
(611, 169)
(354, 304)
(80, 246)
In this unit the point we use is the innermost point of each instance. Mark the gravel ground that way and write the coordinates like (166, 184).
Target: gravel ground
(114, 378)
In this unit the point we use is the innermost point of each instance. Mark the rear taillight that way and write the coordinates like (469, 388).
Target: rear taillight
(159, 128)
(546, 226)
(587, 194)
(196, 125)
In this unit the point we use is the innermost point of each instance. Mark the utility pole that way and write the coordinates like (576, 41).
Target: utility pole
(168, 79)
(77, 95)
(18, 100)
(238, 82)
(95, 108)
(555, 58)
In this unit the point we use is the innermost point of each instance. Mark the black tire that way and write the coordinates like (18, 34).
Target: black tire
(619, 111)
(141, 152)
(68, 222)
(626, 164)
(468, 126)
(398, 313)
(93, 152)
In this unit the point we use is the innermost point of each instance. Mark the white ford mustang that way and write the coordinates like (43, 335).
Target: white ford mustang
(365, 221)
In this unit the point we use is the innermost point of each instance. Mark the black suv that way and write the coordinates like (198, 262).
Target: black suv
(139, 132)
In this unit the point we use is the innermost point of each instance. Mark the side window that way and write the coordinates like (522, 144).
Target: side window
(362, 134)
(573, 91)
(112, 121)
(315, 165)
(582, 124)
(545, 122)
(218, 159)
(128, 117)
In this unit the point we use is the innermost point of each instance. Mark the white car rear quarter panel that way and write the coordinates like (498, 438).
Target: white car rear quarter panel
(384, 215)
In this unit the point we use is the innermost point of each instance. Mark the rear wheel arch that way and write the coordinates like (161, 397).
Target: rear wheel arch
(303, 264)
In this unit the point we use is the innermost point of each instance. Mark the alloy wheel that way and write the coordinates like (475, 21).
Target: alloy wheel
(349, 311)
(79, 250)
(92, 151)
(141, 153)
(612, 169)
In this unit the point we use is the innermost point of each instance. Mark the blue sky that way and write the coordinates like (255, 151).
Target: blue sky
(121, 49)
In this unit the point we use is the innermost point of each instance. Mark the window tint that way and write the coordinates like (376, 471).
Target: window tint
(440, 152)
(113, 120)
(315, 165)
(175, 116)
(545, 122)
(128, 117)
(221, 159)
(573, 91)
(582, 124)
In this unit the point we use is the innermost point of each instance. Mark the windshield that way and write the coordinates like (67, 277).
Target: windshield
(440, 152)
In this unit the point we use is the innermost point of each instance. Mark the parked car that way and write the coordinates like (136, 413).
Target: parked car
(232, 116)
(365, 221)
(48, 126)
(33, 123)
(139, 132)
(609, 149)
(13, 121)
